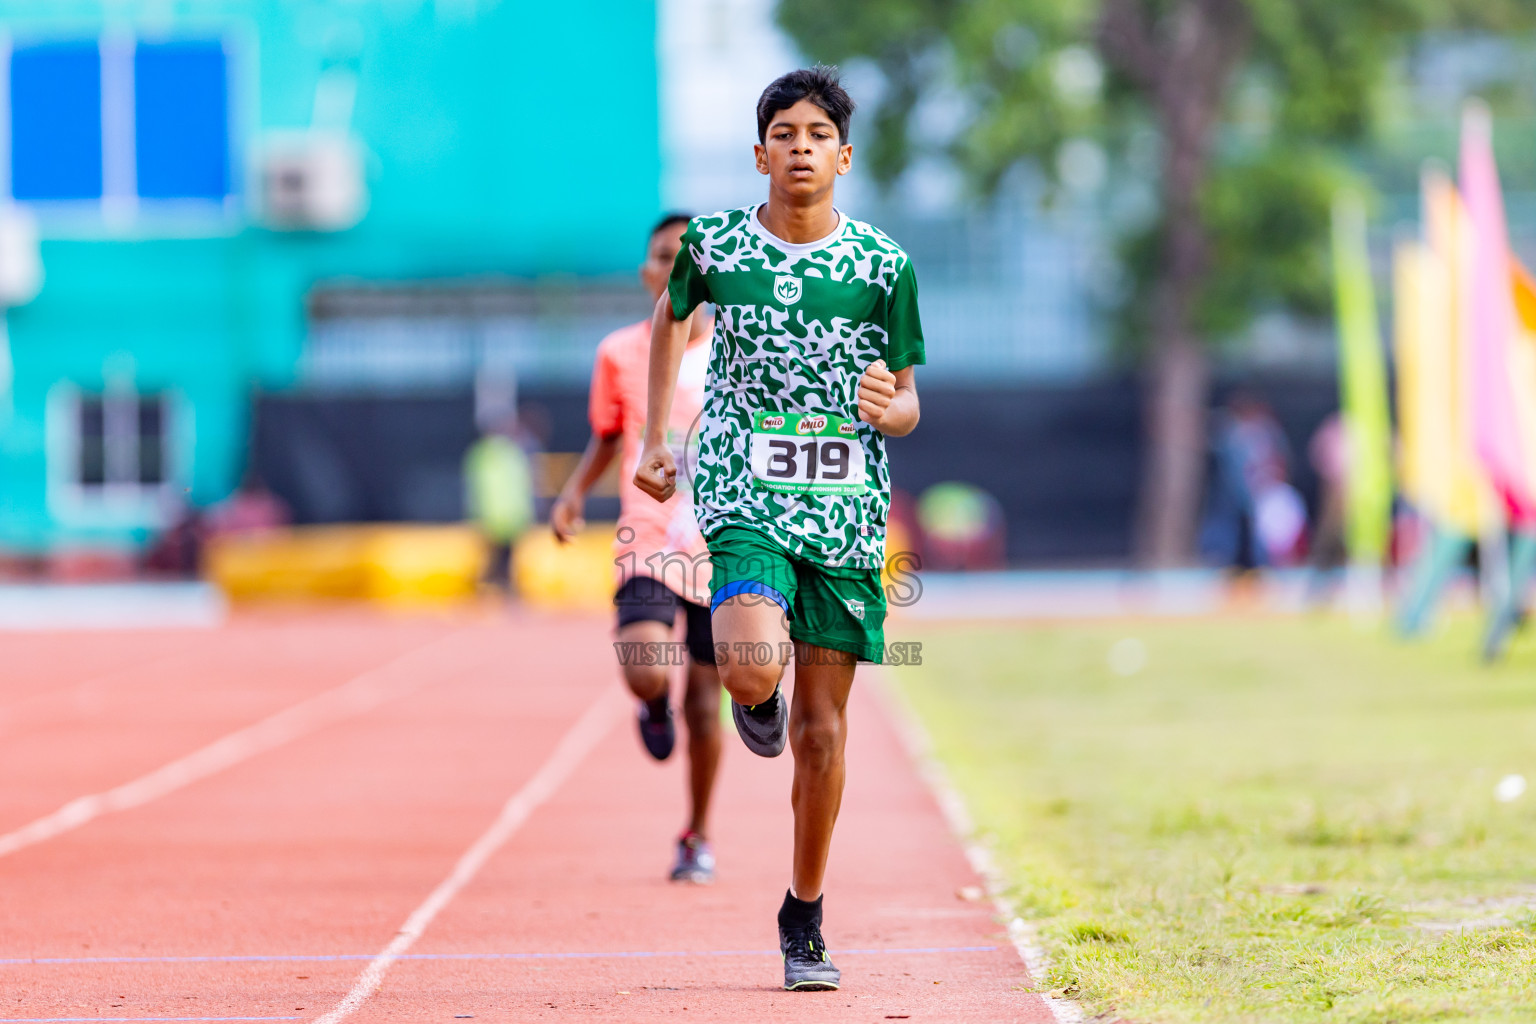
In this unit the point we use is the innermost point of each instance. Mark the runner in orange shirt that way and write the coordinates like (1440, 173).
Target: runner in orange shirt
(661, 559)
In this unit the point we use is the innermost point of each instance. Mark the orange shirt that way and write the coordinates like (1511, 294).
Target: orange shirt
(656, 539)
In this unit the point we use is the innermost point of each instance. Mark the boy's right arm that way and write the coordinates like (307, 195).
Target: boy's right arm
(566, 516)
(656, 473)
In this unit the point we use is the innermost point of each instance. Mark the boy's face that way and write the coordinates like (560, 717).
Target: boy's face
(660, 254)
(801, 153)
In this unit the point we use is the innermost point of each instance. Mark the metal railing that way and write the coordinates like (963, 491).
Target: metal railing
(1010, 297)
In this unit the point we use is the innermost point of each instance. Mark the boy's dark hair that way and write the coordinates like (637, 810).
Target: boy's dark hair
(667, 220)
(819, 85)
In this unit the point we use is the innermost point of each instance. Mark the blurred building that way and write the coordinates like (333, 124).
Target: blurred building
(316, 239)
(200, 173)
(327, 240)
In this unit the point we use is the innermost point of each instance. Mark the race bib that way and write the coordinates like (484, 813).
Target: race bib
(807, 454)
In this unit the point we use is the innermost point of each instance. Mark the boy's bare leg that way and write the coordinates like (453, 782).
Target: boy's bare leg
(745, 627)
(646, 681)
(701, 710)
(818, 733)
(818, 722)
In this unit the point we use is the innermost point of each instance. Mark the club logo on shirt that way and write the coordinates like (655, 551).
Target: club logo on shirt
(857, 608)
(787, 290)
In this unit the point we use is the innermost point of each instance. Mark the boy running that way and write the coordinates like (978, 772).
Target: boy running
(663, 565)
(812, 367)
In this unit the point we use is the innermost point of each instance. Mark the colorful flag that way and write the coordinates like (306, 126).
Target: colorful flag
(1522, 363)
(1442, 476)
(1363, 389)
(1419, 348)
(1488, 314)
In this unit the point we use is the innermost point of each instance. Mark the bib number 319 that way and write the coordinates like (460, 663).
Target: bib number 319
(807, 454)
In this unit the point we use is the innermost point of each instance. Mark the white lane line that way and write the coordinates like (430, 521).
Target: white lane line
(573, 747)
(914, 738)
(387, 682)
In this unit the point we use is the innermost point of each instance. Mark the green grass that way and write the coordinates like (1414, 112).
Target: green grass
(1271, 820)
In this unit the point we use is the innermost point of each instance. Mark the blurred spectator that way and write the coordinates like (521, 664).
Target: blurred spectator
(178, 550)
(1280, 523)
(962, 527)
(498, 478)
(1329, 454)
(19, 565)
(251, 509)
(1254, 517)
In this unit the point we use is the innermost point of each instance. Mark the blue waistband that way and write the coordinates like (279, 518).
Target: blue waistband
(730, 590)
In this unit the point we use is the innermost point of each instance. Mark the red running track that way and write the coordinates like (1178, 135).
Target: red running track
(261, 880)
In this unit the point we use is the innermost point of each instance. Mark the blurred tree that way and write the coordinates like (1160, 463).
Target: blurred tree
(1231, 110)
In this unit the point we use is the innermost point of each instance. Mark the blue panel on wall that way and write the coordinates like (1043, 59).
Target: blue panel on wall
(181, 114)
(56, 121)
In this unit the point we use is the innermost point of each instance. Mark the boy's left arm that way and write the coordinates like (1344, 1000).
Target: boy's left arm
(888, 401)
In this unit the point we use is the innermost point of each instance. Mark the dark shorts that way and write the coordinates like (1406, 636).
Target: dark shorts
(642, 599)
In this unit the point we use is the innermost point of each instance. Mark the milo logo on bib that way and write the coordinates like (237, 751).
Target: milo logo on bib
(807, 454)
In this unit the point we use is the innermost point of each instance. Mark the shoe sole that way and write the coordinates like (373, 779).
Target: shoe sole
(694, 878)
(812, 986)
(745, 724)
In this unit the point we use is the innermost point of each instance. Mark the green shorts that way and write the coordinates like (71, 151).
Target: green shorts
(842, 609)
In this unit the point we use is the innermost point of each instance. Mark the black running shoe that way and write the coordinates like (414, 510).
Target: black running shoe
(695, 860)
(806, 965)
(764, 726)
(657, 730)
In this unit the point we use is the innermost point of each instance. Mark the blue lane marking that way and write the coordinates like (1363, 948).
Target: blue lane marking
(298, 958)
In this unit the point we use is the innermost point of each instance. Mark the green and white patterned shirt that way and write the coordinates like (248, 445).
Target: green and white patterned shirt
(781, 448)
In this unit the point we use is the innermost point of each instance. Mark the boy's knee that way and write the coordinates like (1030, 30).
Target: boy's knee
(817, 741)
(646, 681)
(748, 680)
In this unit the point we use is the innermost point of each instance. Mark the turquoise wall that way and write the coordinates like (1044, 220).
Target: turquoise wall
(503, 137)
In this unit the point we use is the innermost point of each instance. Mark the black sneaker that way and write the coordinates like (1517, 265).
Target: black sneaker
(657, 730)
(763, 727)
(806, 965)
(695, 860)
